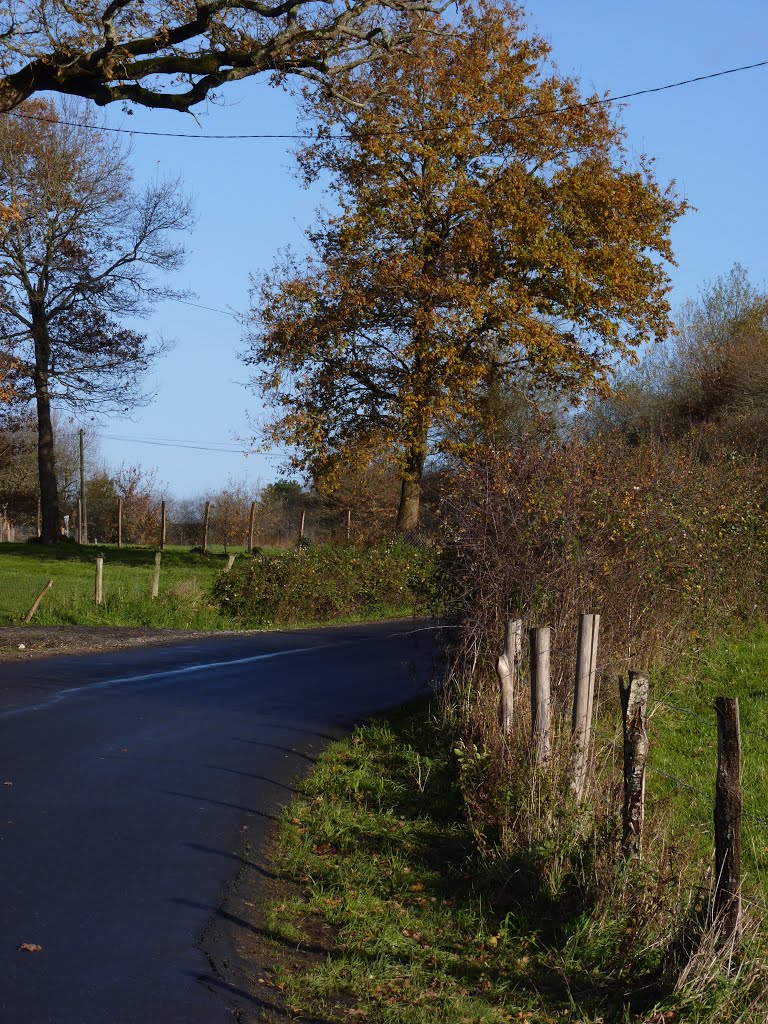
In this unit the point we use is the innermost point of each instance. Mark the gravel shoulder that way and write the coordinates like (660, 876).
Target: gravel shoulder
(21, 643)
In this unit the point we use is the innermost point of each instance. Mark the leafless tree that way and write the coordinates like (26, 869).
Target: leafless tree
(80, 254)
(176, 53)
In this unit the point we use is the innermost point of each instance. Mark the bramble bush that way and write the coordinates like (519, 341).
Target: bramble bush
(664, 540)
(668, 541)
(661, 539)
(322, 582)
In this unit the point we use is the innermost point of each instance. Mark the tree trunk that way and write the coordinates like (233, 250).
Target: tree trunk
(46, 466)
(410, 491)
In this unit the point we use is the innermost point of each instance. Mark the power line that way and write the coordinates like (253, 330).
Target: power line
(173, 444)
(211, 309)
(310, 136)
(222, 447)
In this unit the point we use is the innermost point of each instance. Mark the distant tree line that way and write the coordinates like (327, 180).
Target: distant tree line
(360, 509)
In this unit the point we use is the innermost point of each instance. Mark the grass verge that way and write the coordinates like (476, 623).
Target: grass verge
(428, 930)
(683, 735)
(186, 584)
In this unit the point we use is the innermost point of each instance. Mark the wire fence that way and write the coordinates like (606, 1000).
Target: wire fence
(698, 799)
(226, 523)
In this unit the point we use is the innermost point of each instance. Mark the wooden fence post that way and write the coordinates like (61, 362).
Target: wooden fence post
(507, 669)
(728, 814)
(83, 504)
(162, 525)
(230, 563)
(119, 522)
(303, 520)
(541, 733)
(583, 699)
(38, 599)
(206, 520)
(634, 706)
(99, 580)
(156, 576)
(251, 527)
(39, 517)
(349, 525)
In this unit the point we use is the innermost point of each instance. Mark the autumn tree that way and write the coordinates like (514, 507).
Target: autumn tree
(81, 257)
(230, 509)
(176, 53)
(711, 376)
(141, 494)
(18, 476)
(490, 230)
(716, 366)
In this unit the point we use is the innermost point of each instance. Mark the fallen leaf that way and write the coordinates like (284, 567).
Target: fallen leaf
(7, 783)
(30, 947)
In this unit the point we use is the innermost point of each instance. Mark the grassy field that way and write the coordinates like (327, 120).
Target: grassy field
(380, 856)
(186, 582)
(683, 736)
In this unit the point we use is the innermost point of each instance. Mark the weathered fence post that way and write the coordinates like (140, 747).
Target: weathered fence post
(38, 599)
(634, 707)
(156, 576)
(230, 563)
(583, 699)
(39, 517)
(251, 527)
(162, 525)
(303, 520)
(99, 580)
(728, 814)
(507, 669)
(206, 519)
(119, 522)
(82, 504)
(541, 733)
(349, 525)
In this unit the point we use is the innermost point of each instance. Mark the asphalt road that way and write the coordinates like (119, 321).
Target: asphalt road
(128, 781)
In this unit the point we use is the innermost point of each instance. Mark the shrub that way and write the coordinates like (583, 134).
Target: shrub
(660, 541)
(653, 537)
(323, 582)
(666, 541)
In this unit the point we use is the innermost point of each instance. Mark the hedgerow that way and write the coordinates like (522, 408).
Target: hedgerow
(318, 583)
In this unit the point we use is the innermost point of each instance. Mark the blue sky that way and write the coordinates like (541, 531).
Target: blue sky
(710, 137)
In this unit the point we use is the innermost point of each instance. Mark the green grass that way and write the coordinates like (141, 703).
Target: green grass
(186, 583)
(425, 930)
(683, 744)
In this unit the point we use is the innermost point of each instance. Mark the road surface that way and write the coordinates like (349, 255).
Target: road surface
(128, 782)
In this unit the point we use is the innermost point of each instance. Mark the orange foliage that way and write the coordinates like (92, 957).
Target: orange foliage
(492, 231)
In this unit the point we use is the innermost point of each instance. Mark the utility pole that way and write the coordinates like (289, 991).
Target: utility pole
(83, 520)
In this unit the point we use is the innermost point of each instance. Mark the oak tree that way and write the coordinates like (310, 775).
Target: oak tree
(490, 230)
(82, 256)
(175, 53)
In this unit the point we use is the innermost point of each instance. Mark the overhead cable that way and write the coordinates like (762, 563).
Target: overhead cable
(451, 126)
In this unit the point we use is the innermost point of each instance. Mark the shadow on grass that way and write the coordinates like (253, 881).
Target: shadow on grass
(571, 965)
(71, 551)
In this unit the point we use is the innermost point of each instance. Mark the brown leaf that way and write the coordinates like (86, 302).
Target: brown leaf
(30, 947)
